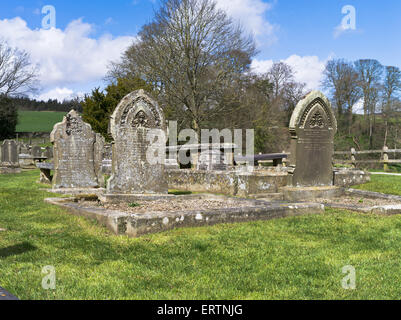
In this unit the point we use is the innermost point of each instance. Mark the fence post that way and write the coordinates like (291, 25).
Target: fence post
(285, 160)
(353, 157)
(385, 158)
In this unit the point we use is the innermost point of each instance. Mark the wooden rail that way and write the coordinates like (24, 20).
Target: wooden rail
(384, 157)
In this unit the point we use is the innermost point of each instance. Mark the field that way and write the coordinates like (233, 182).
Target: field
(292, 258)
(36, 121)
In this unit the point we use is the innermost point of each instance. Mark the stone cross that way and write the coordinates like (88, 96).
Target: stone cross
(313, 126)
(75, 148)
(137, 126)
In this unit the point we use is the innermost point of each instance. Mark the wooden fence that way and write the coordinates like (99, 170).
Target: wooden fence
(383, 157)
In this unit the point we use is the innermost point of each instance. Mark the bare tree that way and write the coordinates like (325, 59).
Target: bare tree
(191, 52)
(391, 89)
(341, 79)
(286, 92)
(370, 74)
(17, 74)
(280, 75)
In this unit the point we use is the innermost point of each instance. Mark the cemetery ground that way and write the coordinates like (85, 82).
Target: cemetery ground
(293, 258)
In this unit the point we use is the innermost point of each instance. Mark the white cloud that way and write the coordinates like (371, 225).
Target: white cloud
(252, 15)
(67, 57)
(308, 69)
(58, 93)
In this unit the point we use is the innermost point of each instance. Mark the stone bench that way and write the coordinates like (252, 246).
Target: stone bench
(276, 157)
(45, 172)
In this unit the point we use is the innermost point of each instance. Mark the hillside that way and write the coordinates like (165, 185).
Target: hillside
(38, 121)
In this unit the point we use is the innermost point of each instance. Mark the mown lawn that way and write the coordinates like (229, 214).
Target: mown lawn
(38, 121)
(383, 184)
(292, 258)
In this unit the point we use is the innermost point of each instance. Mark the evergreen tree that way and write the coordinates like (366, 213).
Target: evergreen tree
(8, 118)
(99, 106)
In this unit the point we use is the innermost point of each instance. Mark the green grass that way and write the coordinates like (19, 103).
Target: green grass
(383, 184)
(38, 121)
(291, 258)
(395, 168)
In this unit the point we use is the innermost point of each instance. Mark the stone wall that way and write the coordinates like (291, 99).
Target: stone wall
(226, 182)
(246, 184)
(347, 178)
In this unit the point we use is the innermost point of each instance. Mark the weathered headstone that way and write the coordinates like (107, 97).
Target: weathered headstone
(9, 157)
(36, 152)
(98, 158)
(212, 159)
(74, 154)
(312, 127)
(134, 126)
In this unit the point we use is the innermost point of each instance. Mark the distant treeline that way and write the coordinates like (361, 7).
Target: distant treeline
(27, 104)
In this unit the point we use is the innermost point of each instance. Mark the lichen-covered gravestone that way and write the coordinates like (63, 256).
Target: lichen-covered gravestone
(9, 159)
(135, 126)
(74, 147)
(312, 127)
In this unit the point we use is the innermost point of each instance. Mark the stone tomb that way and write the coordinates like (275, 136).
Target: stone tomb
(312, 127)
(9, 158)
(76, 163)
(135, 125)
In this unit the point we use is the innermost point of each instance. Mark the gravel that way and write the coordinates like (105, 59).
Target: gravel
(173, 205)
(360, 202)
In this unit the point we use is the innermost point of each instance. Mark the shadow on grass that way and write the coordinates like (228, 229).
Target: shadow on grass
(179, 193)
(16, 250)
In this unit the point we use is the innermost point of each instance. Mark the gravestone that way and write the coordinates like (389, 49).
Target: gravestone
(210, 160)
(48, 153)
(74, 154)
(312, 127)
(36, 152)
(23, 149)
(135, 126)
(98, 158)
(9, 157)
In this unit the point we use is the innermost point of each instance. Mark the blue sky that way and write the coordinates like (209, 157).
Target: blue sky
(73, 57)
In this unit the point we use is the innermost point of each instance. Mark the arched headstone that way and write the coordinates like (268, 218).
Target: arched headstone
(312, 127)
(74, 154)
(135, 126)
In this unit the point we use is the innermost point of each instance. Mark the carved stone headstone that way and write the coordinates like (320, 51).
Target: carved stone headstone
(9, 154)
(134, 126)
(74, 154)
(312, 127)
(212, 159)
(98, 158)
